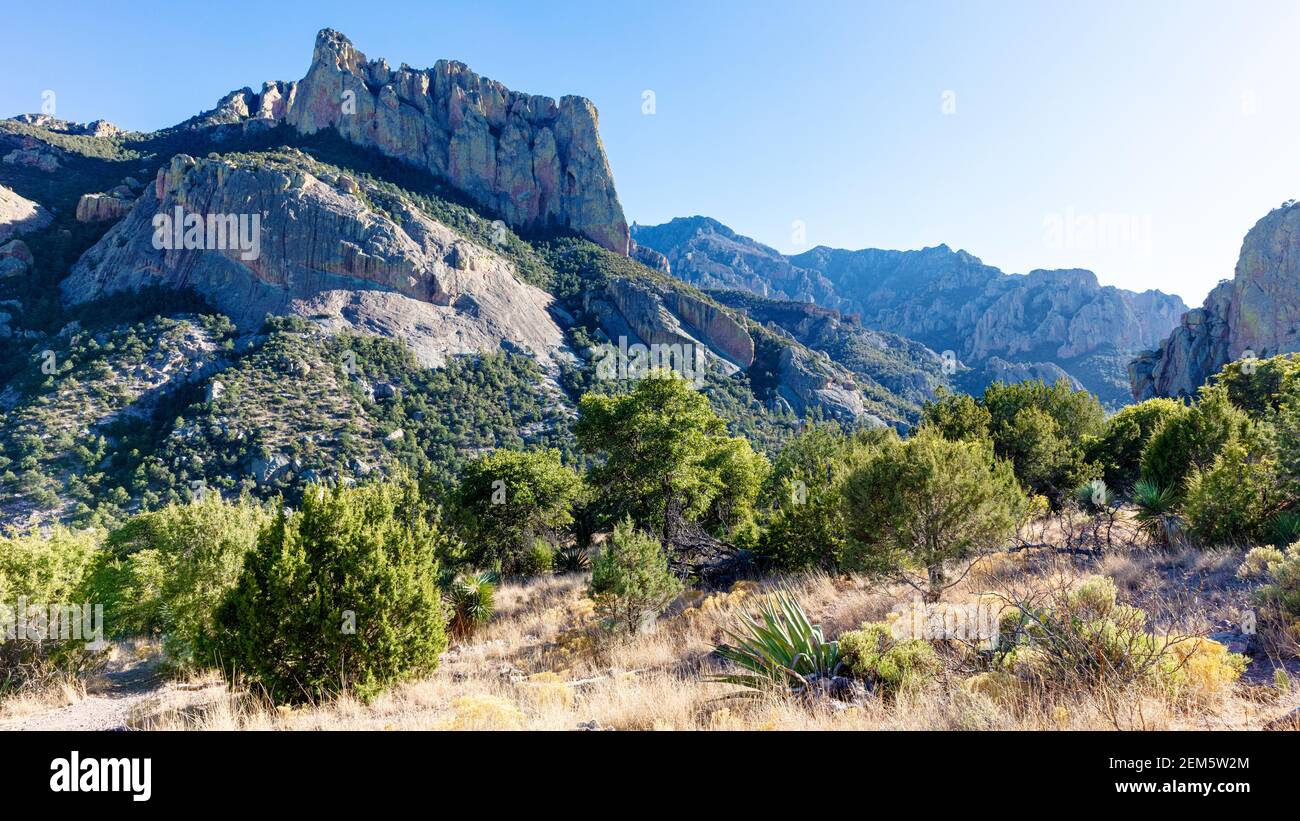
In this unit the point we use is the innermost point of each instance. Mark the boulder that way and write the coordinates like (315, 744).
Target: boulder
(15, 259)
(19, 215)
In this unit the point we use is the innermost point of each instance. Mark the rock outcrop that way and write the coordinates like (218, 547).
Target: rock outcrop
(902, 367)
(997, 369)
(804, 382)
(101, 207)
(650, 258)
(19, 215)
(277, 239)
(651, 313)
(1257, 312)
(42, 158)
(538, 163)
(95, 128)
(667, 317)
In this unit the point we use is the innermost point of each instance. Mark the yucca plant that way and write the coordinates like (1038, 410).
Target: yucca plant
(1155, 511)
(1094, 495)
(470, 598)
(780, 651)
(1285, 528)
(572, 559)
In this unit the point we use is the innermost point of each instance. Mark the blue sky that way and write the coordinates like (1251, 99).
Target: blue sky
(1005, 128)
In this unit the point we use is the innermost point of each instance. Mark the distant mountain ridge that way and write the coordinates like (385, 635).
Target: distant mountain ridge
(948, 300)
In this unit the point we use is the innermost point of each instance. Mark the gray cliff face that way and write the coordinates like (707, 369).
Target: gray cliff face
(537, 162)
(1258, 311)
(952, 301)
(324, 253)
(652, 313)
(666, 317)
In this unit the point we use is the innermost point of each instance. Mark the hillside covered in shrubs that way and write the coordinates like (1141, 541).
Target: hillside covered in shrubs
(1018, 559)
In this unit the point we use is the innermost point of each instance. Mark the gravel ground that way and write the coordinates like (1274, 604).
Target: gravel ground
(125, 689)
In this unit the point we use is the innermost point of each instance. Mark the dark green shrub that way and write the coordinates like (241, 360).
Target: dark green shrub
(1043, 431)
(957, 416)
(509, 499)
(1260, 386)
(45, 570)
(919, 504)
(1234, 501)
(630, 579)
(539, 560)
(1190, 441)
(1118, 451)
(666, 458)
(807, 529)
(341, 595)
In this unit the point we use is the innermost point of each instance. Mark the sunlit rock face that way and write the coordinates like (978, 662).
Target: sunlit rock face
(318, 249)
(1258, 311)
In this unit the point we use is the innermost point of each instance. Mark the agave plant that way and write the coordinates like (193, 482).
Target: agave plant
(1155, 511)
(781, 650)
(470, 597)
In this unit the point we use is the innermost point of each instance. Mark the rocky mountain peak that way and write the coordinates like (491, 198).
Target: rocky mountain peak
(536, 162)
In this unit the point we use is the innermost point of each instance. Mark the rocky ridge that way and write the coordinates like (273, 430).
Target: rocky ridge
(537, 162)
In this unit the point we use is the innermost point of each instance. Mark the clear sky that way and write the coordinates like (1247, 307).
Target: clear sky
(1004, 128)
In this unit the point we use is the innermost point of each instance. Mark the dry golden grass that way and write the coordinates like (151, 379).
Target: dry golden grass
(51, 695)
(543, 663)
